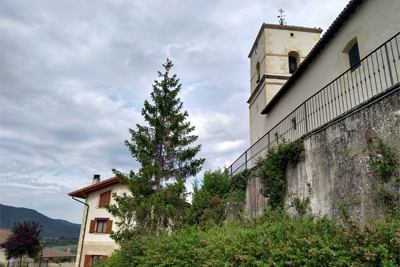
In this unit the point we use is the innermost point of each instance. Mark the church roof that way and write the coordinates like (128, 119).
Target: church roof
(319, 46)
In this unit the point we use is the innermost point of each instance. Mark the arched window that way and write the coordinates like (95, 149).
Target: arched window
(293, 60)
(351, 49)
(258, 72)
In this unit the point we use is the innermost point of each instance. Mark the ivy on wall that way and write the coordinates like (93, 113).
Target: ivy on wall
(383, 161)
(273, 166)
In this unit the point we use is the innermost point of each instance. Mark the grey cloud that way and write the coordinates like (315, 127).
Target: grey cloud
(75, 74)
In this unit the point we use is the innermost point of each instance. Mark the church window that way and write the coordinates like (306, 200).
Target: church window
(291, 34)
(294, 58)
(354, 57)
(258, 72)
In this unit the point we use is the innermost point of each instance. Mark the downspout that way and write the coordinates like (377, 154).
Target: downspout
(84, 229)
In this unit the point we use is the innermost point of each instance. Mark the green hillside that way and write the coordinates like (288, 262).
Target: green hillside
(51, 227)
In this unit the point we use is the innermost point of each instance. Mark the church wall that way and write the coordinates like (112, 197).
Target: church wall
(373, 23)
(259, 57)
(336, 166)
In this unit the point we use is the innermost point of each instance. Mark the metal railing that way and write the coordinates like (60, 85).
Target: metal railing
(370, 77)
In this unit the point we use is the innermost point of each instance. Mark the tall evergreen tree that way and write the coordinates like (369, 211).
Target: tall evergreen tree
(162, 148)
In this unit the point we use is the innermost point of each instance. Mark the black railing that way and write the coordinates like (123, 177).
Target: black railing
(374, 74)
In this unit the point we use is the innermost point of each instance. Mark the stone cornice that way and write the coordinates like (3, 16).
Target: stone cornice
(263, 78)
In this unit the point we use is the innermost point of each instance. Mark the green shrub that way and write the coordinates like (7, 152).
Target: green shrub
(274, 239)
(273, 166)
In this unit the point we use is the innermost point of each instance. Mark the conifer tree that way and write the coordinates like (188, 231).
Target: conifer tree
(163, 149)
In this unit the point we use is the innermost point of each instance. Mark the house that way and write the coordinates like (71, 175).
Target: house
(95, 244)
(293, 93)
(51, 255)
(4, 234)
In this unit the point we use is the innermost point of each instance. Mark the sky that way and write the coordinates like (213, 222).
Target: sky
(74, 76)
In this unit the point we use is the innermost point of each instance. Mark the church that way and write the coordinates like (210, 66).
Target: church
(301, 81)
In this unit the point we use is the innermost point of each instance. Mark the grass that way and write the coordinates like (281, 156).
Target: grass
(73, 247)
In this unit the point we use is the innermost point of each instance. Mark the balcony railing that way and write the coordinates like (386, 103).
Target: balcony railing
(374, 74)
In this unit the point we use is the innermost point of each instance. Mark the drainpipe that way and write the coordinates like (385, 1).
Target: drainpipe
(84, 229)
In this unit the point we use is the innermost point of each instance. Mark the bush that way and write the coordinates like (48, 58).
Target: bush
(273, 239)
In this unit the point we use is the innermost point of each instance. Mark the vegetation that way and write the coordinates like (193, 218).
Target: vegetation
(25, 240)
(61, 241)
(273, 166)
(382, 158)
(158, 194)
(218, 190)
(273, 239)
(73, 247)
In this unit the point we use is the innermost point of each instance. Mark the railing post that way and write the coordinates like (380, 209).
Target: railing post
(231, 169)
(245, 159)
(388, 63)
(269, 142)
(305, 116)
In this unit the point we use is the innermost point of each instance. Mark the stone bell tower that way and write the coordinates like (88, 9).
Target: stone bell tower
(275, 55)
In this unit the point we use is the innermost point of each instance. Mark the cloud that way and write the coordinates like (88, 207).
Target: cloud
(75, 74)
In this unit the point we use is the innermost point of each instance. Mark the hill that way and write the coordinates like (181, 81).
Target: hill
(51, 227)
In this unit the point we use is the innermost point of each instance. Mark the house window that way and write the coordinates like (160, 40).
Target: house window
(105, 199)
(354, 57)
(93, 259)
(100, 225)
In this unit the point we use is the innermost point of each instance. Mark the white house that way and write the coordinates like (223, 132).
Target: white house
(95, 244)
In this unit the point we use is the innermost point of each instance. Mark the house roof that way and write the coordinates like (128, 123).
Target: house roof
(319, 46)
(4, 234)
(52, 253)
(84, 192)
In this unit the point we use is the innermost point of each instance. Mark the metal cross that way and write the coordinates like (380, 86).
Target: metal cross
(281, 17)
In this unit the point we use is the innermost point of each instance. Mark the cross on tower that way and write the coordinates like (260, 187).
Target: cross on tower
(281, 17)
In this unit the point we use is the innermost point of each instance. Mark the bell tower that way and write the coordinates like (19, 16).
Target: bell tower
(274, 56)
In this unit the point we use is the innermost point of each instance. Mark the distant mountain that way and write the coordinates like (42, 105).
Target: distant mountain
(51, 227)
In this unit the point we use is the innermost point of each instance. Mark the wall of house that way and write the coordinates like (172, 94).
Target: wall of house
(98, 243)
(335, 164)
(373, 23)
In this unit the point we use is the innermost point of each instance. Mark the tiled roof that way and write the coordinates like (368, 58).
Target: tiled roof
(52, 253)
(319, 46)
(83, 192)
(4, 234)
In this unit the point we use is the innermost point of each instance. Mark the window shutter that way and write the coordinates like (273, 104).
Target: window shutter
(92, 226)
(87, 261)
(354, 57)
(109, 226)
(104, 199)
(108, 198)
(105, 257)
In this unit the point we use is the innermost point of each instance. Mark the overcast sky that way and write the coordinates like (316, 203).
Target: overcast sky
(75, 74)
